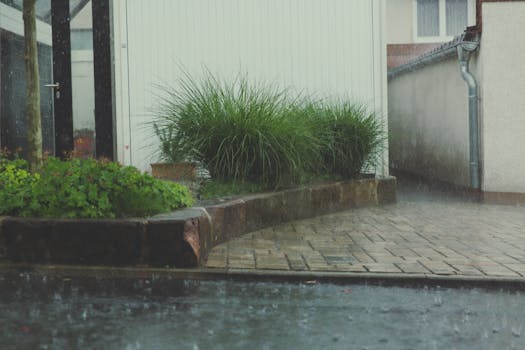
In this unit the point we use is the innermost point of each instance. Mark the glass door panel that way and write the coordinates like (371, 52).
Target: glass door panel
(13, 124)
(82, 77)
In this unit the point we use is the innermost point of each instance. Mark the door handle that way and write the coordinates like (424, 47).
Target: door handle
(55, 85)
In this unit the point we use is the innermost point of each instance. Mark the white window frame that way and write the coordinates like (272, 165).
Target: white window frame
(12, 21)
(442, 37)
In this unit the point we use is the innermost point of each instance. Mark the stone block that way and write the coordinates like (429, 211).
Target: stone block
(297, 204)
(264, 210)
(326, 198)
(386, 190)
(167, 244)
(70, 241)
(228, 219)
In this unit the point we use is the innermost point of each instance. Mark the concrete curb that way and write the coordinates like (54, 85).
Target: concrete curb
(250, 275)
(182, 238)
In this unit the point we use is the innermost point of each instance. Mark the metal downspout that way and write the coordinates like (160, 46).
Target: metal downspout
(465, 50)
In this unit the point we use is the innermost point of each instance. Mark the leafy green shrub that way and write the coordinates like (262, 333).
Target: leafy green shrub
(16, 185)
(88, 188)
(350, 137)
(240, 132)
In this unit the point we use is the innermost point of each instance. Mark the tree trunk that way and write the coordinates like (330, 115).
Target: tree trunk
(34, 127)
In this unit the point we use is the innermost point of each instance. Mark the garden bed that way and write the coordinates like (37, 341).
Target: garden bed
(184, 237)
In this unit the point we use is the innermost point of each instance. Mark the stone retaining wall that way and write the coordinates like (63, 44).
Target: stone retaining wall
(182, 238)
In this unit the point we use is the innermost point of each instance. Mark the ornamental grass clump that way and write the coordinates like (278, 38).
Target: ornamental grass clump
(350, 136)
(240, 132)
(246, 133)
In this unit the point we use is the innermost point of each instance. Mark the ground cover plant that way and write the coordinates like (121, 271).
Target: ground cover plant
(85, 188)
(246, 133)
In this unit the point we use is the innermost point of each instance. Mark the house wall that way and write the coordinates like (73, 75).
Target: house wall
(334, 49)
(503, 102)
(428, 111)
(428, 122)
(399, 21)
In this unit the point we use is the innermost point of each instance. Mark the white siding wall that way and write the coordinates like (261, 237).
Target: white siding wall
(326, 47)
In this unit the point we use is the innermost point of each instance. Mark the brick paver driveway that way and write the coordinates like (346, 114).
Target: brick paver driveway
(423, 237)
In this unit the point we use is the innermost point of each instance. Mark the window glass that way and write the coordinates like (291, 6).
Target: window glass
(428, 17)
(456, 16)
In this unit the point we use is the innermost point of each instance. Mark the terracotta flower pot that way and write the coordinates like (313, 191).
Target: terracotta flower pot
(184, 171)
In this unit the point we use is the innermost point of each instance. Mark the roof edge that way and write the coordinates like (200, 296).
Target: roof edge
(440, 53)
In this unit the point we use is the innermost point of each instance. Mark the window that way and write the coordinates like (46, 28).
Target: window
(441, 20)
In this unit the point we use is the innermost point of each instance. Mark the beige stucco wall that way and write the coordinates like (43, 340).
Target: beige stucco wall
(428, 122)
(399, 21)
(503, 102)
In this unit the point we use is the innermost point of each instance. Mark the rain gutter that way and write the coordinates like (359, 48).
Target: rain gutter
(465, 50)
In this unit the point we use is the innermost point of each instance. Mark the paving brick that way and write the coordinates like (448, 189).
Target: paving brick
(439, 268)
(363, 257)
(414, 267)
(241, 264)
(349, 268)
(272, 264)
(467, 270)
(217, 262)
(324, 268)
(297, 264)
(498, 270)
(519, 268)
(381, 267)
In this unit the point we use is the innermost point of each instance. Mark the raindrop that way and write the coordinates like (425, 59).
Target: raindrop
(516, 332)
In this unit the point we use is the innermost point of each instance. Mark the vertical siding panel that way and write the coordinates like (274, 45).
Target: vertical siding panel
(316, 46)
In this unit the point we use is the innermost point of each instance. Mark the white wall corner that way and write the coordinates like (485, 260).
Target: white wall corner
(381, 80)
(120, 83)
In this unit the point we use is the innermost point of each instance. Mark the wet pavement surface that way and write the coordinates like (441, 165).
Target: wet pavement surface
(441, 235)
(428, 232)
(41, 312)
